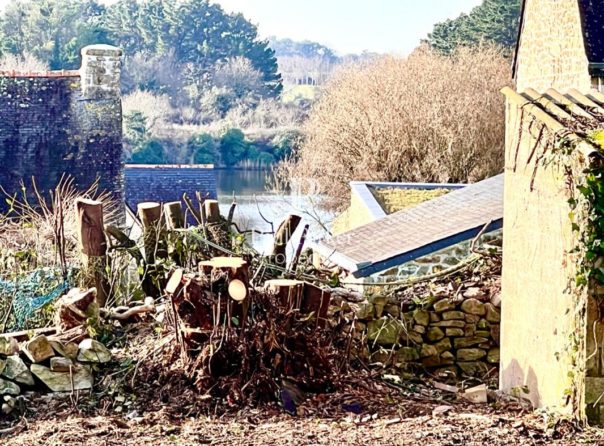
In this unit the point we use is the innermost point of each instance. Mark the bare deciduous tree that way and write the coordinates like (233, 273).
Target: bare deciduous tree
(427, 117)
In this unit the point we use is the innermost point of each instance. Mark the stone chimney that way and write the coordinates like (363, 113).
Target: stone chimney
(100, 71)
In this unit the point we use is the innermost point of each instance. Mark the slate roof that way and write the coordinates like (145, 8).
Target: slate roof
(418, 231)
(592, 18)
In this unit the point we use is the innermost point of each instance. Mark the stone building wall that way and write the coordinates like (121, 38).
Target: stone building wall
(57, 123)
(438, 261)
(551, 52)
(165, 183)
(450, 337)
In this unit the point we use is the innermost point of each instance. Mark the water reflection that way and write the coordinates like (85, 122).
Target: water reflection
(244, 184)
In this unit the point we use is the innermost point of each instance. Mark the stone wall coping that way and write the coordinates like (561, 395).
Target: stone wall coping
(169, 166)
(102, 50)
(38, 74)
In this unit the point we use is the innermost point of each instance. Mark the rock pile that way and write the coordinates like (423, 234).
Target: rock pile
(452, 331)
(48, 363)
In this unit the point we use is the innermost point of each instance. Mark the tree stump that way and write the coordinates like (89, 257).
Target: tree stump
(282, 236)
(174, 216)
(154, 243)
(93, 246)
(230, 275)
(288, 291)
(212, 211)
(75, 307)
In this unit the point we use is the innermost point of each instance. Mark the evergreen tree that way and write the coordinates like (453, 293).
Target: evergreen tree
(493, 21)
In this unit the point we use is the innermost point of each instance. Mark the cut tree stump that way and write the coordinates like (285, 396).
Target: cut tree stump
(154, 242)
(212, 211)
(289, 292)
(316, 300)
(93, 246)
(232, 275)
(75, 307)
(175, 219)
(302, 296)
(174, 216)
(282, 237)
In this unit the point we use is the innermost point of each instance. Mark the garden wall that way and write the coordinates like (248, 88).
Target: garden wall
(451, 337)
(56, 123)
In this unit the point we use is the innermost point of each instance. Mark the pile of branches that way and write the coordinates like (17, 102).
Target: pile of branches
(253, 349)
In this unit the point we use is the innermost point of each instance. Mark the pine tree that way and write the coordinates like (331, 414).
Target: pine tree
(494, 21)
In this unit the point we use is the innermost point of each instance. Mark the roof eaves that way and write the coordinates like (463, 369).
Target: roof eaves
(331, 255)
(382, 265)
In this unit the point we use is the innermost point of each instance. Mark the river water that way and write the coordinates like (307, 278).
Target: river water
(251, 194)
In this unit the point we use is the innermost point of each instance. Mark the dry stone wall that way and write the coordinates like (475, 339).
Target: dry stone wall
(450, 337)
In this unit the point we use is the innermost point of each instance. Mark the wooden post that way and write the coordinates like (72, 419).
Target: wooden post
(212, 211)
(174, 216)
(93, 246)
(282, 236)
(150, 214)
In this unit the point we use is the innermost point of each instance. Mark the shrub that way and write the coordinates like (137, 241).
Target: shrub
(429, 117)
(26, 62)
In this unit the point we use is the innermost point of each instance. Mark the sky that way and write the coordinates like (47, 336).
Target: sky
(347, 26)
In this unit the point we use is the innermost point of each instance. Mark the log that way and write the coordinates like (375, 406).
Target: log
(212, 211)
(282, 236)
(93, 246)
(147, 307)
(75, 308)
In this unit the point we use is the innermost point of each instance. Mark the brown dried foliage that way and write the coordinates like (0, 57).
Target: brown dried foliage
(428, 117)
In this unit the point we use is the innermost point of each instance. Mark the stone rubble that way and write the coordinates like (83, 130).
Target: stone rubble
(47, 363)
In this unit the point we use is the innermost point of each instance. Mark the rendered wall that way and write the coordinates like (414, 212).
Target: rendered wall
(537, 309)
(58, 123)
(551, 53)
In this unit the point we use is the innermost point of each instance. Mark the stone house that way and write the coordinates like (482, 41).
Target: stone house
(560, 45)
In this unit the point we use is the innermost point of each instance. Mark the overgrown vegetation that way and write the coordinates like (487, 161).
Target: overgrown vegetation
(405, 120)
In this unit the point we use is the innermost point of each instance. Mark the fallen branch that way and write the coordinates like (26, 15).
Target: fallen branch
(147, 307)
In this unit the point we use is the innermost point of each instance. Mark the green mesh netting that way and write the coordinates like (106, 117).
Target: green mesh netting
(31, 292)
